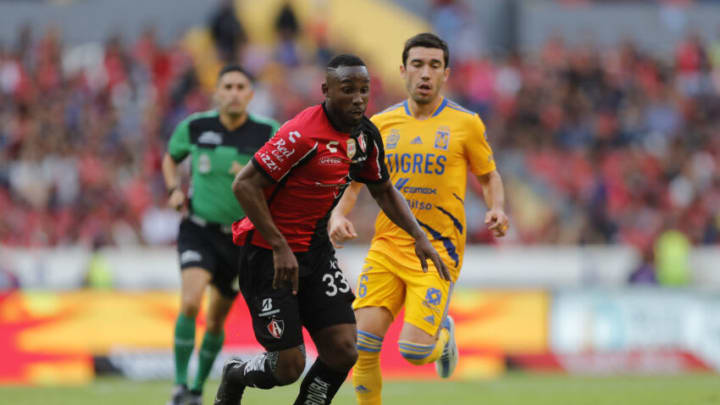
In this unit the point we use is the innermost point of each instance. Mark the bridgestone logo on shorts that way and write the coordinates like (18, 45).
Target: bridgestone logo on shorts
(267, 308)
(190, 256)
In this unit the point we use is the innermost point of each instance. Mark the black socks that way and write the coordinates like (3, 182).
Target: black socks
(320, 385)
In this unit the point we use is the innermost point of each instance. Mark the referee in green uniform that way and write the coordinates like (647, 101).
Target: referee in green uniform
(219, 143)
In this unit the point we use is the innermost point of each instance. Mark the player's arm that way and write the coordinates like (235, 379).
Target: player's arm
(375, 175)
(494, 194)
(482, 164)
(176, 197)
(178, 149)
(395, 207)
(340, 228)
(287, 149)
(248, 189)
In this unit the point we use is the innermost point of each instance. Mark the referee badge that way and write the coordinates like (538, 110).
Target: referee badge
(351, 148)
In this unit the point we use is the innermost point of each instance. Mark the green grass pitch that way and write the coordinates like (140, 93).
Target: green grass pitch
(700, 389)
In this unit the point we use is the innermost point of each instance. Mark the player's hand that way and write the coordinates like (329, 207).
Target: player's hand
(340, 230)
(286, 268)
(424, 250)
(176, 200)
(497, 222)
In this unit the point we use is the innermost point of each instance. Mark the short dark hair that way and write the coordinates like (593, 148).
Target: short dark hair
(426, 40)
(235, 68)
(345, 60)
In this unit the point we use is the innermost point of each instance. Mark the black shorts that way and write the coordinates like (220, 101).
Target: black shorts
(324, 297)
(211, 248)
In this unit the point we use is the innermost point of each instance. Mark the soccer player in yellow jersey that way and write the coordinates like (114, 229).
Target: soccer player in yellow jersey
(430, 143)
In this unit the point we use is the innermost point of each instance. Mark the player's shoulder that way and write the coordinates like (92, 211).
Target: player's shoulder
(453, 112)
(308, 118)
(391, 114)
(263, 126)
(305, 126)
(393, 109)
(198, 121)
(262, 120)
(201, 116)
(458, 111)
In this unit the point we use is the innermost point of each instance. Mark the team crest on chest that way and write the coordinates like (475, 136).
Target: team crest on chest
(351, 148)
(442, 138)
(361, 142)
(392, 139)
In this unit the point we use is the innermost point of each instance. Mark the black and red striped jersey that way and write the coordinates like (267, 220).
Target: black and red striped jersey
(311, 163)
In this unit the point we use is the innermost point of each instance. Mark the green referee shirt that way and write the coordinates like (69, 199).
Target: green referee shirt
(217, 155)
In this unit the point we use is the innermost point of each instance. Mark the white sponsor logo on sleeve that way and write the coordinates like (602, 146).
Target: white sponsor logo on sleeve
(268, 161)
(190, 256)
(281, 151)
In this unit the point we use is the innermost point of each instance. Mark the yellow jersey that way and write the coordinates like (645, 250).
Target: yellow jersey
(428, 161)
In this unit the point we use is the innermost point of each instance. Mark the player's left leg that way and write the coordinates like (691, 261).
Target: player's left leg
(277, 325)
(219, 305)
(428, 332)
(381, 295)
(194, 280)
(221, 295)
(198, 262)
(325, 309)
(336, 356)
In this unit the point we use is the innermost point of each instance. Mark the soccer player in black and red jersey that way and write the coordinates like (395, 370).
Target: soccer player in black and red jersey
(290, 276)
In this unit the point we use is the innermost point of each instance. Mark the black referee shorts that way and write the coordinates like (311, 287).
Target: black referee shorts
(324, 297)
(210, 247)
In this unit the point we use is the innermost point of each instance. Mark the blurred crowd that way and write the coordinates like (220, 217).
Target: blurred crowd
(596, 146)
(604, 146)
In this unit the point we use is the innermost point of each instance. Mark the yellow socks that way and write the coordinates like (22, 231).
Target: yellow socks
(366, 378)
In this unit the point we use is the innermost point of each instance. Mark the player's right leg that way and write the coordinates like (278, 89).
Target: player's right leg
(380, 295)
(197, 261)
(219, 304)
(428, 332)
(221, 295)
(264, 371)
(372, 323)
(193, 284)
(277, 326)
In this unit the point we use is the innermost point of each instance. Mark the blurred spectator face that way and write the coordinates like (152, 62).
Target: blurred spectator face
(233, 94)
(425, 73)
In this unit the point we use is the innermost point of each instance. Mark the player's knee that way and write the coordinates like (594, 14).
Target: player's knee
(343, 355)
(215, 321)
(290, 367)
(214, 325)
(347, 358)
(414, 353)
(189, 307)
(412, 359)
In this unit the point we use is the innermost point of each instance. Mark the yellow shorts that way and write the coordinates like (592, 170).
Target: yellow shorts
(389, 284)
